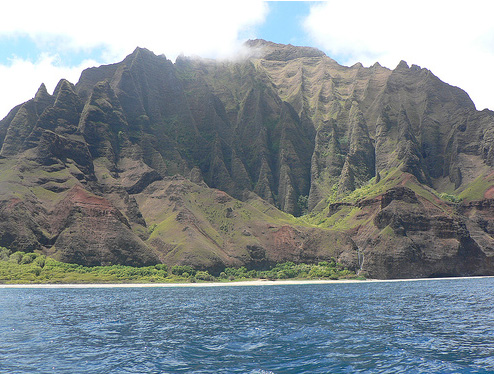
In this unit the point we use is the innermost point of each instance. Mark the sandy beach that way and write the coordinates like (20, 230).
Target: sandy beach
(224, 284)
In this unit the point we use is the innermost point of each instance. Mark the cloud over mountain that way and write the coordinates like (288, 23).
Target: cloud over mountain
(454, 39)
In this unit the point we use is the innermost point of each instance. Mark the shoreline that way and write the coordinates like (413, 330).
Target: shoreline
(226, 284)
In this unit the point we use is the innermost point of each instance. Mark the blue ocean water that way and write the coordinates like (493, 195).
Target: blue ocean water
(434, 326)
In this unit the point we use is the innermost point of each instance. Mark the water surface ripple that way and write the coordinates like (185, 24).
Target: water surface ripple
(435, 326)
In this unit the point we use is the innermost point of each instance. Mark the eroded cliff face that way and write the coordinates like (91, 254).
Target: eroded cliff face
(205, 163)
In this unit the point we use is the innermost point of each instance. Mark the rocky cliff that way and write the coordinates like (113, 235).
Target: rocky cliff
(282, 155)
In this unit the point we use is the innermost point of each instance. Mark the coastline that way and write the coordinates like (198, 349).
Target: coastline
(225, 284)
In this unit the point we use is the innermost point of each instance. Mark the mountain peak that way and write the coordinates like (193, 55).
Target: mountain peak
(139, 50)
(282, 52)
(402, 65)
(144, 53)
(41, 93)
(63, 86)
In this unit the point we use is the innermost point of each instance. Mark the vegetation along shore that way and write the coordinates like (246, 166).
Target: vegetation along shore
(34, 268)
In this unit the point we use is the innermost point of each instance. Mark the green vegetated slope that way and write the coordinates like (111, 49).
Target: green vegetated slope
(283, 155)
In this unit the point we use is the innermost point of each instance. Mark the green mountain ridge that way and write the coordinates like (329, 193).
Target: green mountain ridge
(281, 156)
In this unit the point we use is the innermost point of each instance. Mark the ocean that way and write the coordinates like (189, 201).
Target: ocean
(426, 326)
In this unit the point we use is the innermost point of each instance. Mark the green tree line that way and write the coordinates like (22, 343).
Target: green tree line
(21, 267)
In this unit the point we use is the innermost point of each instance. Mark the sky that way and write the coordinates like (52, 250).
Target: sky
(45, 41)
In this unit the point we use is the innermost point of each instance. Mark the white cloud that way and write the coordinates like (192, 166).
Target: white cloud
(21, 79)
(206, 28)
(210, 28)
(454, 39)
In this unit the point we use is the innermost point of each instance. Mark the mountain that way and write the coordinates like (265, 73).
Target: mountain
(281, 155)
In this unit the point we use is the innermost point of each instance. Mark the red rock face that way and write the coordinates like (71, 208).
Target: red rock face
(78, 199)
(287, 237)
(89, 230)
(11, 204)
(489, 194)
